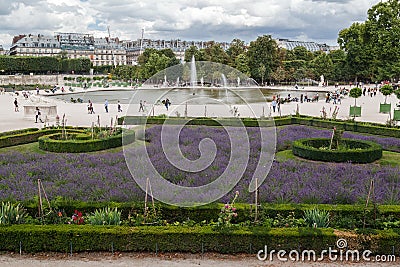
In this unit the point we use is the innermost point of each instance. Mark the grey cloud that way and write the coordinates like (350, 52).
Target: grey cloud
(186, 19)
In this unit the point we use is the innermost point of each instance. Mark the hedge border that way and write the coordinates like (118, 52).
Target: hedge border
(48, 143)
(74, 238)
(361, 127)
(307, 148)
(28, 136)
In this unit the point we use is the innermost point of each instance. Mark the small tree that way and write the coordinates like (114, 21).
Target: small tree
(386, 90)
(356, 92)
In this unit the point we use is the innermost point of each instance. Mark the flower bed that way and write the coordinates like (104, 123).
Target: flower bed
(355, 151)
(105, 176)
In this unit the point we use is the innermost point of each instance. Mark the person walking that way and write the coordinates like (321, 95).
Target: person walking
(38, 115)
(106, 105)
(90, 108)
(167, 103)
(16, 105)
(141, 108)
(274, 105)
(119, 106)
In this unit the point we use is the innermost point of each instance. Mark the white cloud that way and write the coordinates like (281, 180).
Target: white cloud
(312, 20)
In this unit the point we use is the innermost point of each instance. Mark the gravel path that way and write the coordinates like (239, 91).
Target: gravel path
(168, 259)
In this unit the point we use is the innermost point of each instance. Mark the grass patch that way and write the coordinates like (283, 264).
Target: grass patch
(285, 155)
(26, 148)
(389, 159)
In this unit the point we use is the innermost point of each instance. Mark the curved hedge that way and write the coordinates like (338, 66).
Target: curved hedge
(81, 144)
(358, 151)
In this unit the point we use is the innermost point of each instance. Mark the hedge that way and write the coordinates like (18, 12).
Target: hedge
(357, 151)
(25, 137)
(73, 238)
(52, 144)
(14, 132)
(369, 128)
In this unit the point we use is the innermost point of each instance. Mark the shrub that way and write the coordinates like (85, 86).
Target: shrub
(316, 218)
(53, 143)
(355, 151)
(12, 213)
(105, 216)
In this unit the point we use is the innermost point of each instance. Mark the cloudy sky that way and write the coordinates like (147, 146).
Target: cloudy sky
(220, 20)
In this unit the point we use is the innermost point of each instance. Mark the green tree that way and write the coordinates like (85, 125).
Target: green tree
(154, 64)
(322, 65)
(171, 55)
(359, 57)
(262, 52)
(193, 50)
(339, 71)
(279, 74)
(236, 48)
(215, 53)
(301, 53)
(383, 35)
(242, 64)
(386, 90)
(355, 93)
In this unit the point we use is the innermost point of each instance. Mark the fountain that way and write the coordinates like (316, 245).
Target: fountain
(193, 75)
(225, 85)
(177, 82)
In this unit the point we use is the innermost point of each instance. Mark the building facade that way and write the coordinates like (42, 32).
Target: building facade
(310, 46)
(112, 51)
(100, 51)
(135, 48)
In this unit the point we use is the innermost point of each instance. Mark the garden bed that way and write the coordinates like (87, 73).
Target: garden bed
(350, 150)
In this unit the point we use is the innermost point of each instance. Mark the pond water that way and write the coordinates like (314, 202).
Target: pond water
(196, 96)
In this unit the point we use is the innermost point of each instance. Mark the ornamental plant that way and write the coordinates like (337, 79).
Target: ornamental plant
(12, 213)
(316, 218)
(228, 212)
(386, 90)
(77, 218)
(106, 216)
(356, 92)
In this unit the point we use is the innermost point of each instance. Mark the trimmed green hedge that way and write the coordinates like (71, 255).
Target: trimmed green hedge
(19, 131)
(361, 127)
(357, 151)
(53, 144)
(73, 238)
(26, 136)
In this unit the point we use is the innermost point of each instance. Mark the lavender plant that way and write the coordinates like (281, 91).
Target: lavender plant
(106, 177)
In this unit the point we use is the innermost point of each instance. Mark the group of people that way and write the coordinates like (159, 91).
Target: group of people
(38, 113)
(91, 109)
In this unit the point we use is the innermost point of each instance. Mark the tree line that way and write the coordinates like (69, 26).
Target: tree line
(43, 65)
